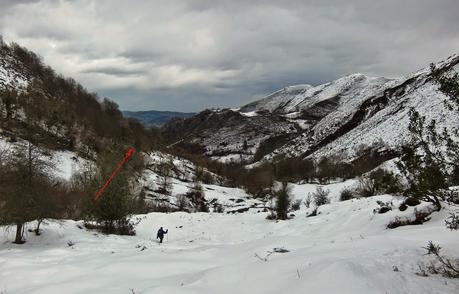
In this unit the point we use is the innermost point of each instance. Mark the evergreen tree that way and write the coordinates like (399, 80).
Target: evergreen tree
(283, 201)
(112, 211)
(431, 161)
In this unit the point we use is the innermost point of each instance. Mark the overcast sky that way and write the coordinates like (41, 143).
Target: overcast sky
(190, 55)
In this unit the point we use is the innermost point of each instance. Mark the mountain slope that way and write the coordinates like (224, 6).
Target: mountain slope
(377, 115)
(336, 118)
(227, 134)
(38, 104)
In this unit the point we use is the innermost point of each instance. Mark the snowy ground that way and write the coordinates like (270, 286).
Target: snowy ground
(345, 249)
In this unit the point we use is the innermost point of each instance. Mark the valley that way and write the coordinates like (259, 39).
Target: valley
(305, 154)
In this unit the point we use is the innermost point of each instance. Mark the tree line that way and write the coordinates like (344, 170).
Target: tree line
(258, 180)
(29, 193)
(66, 114)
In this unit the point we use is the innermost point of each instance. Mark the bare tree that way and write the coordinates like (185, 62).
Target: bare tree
(165, 177)
(197, 197)
(26, 188)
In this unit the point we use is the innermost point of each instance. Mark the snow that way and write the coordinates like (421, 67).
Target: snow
(352, 89)
(66, 163)
(249, 114)
(345, 249)
(231, 158)
(301, 191)
(10, 76)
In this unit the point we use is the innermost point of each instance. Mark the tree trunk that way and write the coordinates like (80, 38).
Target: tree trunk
(436, 201)
(37, 229)
(437, 204)
(19, 233)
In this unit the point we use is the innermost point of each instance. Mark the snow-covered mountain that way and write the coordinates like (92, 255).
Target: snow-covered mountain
(336, 118)
(301, 98)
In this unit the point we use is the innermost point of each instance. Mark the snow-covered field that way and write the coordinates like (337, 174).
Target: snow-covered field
(344, 249)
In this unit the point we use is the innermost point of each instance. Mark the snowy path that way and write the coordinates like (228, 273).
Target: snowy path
(345, 249)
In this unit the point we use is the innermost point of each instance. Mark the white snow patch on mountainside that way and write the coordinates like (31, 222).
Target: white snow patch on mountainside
(9, 76)
(67, 163)
(296, 98)
(63, 163)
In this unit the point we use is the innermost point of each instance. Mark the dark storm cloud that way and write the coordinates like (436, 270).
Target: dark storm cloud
(188, 55)
(114, 71)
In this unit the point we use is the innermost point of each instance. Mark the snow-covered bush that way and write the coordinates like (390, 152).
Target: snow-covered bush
(377, 182)
(296, 204)
(452, 222)
(383, 207)
(320, 196)
(386, 182)
(346, 194)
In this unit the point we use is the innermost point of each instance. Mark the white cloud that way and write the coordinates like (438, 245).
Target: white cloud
(213, 53)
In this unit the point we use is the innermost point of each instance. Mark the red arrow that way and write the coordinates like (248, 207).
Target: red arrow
(126, 156)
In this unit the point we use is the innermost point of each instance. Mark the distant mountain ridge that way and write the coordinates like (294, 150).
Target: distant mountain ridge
(155, 118)
(334, 119)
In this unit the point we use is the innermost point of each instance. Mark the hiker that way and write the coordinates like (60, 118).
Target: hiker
(160, 234)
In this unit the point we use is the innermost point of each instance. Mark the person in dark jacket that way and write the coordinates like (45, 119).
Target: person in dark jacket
(160, 234)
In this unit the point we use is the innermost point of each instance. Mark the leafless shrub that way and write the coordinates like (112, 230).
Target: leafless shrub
(366, 187)
(346, 194)
(320, 197)
(444, 266)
